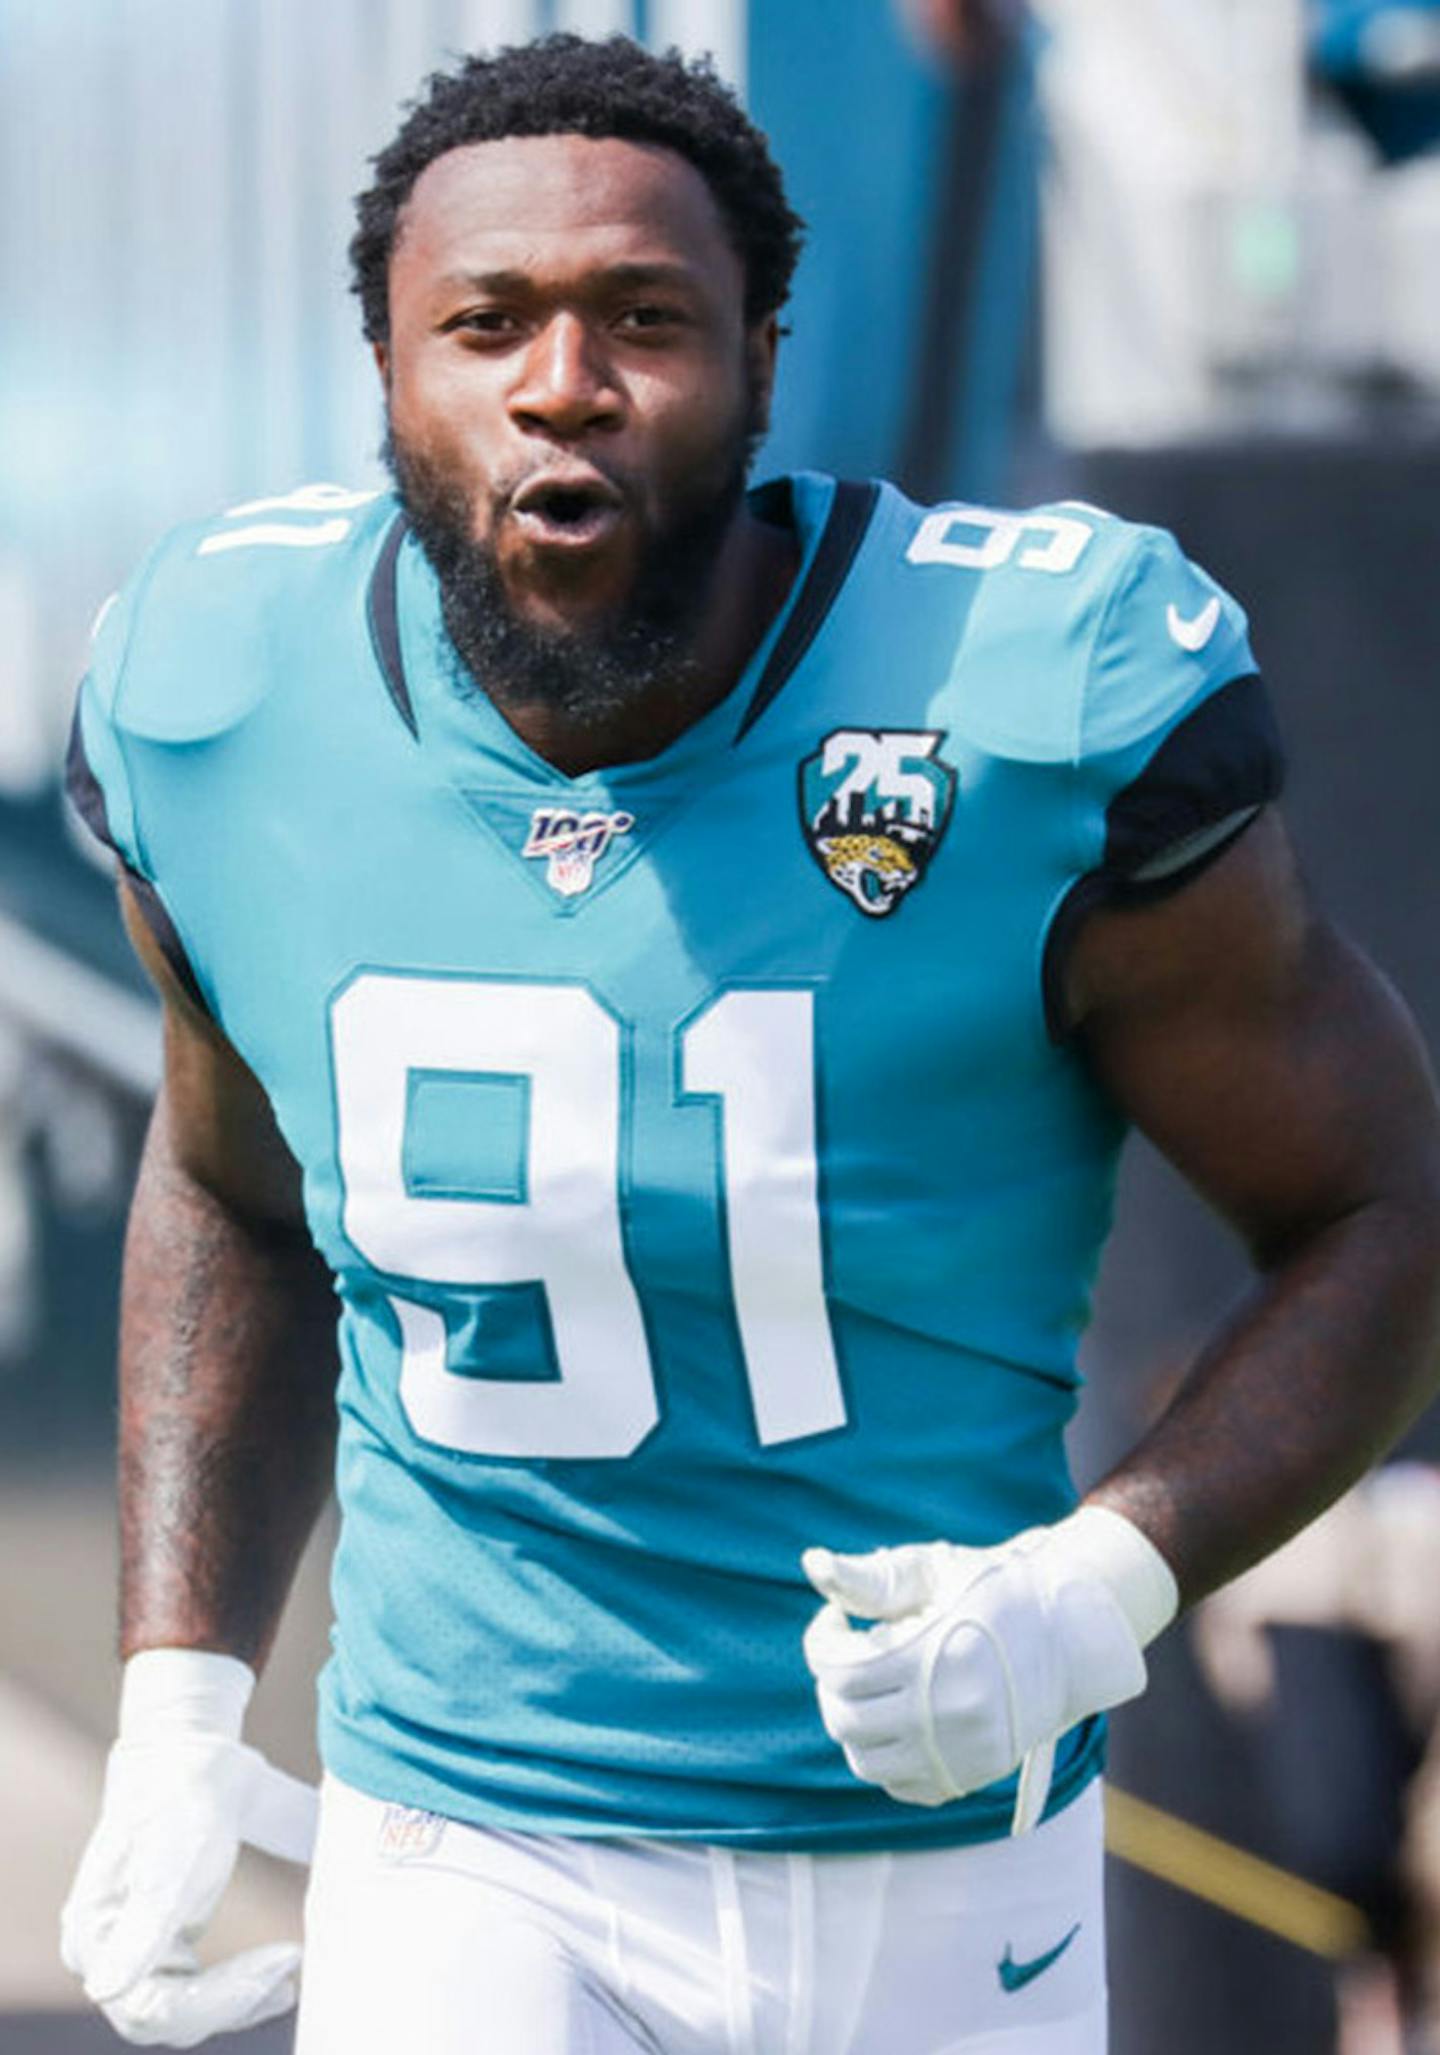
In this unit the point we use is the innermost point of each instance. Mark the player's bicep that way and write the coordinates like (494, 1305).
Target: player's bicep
(1260, 1051)
(220, 1127)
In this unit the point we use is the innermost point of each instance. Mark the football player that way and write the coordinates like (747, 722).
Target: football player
(678, 962)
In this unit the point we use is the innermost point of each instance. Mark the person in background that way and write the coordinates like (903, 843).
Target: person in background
(1338, 1632)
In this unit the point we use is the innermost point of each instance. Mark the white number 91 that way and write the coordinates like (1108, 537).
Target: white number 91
(753, 1050)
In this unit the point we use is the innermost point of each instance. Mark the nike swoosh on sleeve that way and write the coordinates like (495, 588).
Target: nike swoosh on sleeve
(1193, 634)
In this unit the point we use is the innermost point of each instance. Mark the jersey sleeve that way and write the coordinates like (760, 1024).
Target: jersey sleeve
(1168, 636)
(1177, 746)
(217, 627)
(96, 775)
(98, 780)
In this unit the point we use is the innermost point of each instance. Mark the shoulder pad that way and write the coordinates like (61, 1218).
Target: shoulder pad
(1076, 632)
(223, 610)
(1170, 637)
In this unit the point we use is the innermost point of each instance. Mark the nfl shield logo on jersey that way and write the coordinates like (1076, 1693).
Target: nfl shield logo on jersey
(572, 843)
(874, 805)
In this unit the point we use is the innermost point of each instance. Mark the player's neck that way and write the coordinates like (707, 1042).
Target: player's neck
(756, 568)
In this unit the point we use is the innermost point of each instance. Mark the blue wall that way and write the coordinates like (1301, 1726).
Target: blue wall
(861, 126)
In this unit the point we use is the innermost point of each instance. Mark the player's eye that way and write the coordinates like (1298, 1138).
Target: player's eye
(650, 318)
(490, 322)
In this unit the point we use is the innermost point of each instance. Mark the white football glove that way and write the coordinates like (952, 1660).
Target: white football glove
(982, 1658)
(182, 1791)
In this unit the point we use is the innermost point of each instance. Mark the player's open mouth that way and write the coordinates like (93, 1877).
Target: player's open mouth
(568, 512)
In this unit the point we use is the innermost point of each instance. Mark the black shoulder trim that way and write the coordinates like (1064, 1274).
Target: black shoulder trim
(157, 918)
(1200, 791)
(774, 502)
(83, 787)
(850, 513)
(382, 612)
(1225, 756)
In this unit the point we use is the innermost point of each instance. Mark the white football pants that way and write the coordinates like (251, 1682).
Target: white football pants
(456, 1940)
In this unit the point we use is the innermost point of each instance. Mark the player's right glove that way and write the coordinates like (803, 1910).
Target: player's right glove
(182, 1791)
(981, 1658)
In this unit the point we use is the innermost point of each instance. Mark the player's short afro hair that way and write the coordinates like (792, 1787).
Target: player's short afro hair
(566, 85)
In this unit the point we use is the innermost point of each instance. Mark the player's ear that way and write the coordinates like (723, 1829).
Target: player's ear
(381, 353)
(762, 345)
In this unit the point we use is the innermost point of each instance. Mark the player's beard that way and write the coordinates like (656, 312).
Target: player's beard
(591, 673)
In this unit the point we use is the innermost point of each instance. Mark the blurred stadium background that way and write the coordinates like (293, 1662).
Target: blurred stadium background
(1181, 257)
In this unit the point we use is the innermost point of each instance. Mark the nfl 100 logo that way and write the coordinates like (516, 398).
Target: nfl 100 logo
(572, 843)
(874, 805)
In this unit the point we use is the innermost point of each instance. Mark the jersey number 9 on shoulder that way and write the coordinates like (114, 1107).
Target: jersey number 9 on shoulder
(558, 1223)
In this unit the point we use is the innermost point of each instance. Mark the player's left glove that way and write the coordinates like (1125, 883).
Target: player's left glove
(981, 1658)
(182, 1791)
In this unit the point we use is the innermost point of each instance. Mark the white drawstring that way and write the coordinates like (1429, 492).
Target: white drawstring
(615, 1954)
(880, 1868)
(734, 1957)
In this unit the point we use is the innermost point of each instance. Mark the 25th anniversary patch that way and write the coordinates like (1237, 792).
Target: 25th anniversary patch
(874, 805)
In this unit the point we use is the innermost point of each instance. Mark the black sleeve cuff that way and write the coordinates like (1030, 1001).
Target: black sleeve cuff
(83, 787)
(157, 919)
(88, 799)
(1202, 788)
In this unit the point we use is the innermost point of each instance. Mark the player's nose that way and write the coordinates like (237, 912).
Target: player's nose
(566, 385)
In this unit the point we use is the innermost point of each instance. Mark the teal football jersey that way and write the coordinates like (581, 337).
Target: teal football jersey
(695, 1144)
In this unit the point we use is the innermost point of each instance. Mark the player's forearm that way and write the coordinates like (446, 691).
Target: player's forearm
(226, 1414)
(1313, 1378)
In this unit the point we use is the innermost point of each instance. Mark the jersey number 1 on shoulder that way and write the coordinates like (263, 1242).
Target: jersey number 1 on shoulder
(753, 1050)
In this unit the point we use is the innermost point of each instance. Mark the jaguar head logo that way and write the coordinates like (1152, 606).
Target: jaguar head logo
(874, 869)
